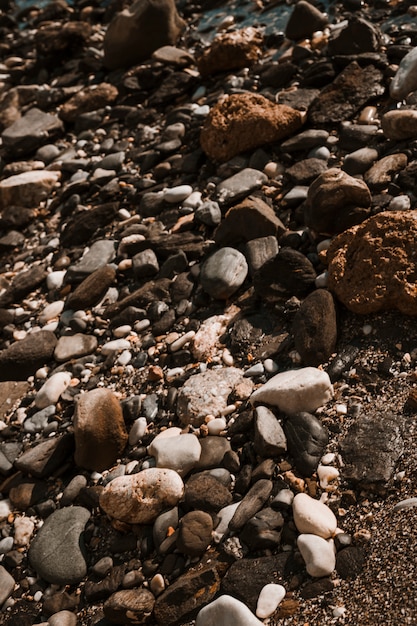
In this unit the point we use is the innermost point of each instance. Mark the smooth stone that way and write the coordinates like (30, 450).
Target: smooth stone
(290, 273)
(269, 440)
(63, 618)
(224, 611)
(259, 251)
(223, 273)
(240, 185)
(178, 194)
(6, 545)
(195, 533)
(129, 606)
(358, 36)
(405, 79)
(294, 391)
(408, 503)
(315, 328)
(137, 430)
(180, 453)
(165, 521)
(7, 584)
(73, 489)
(37, 422)
(400, 124)
(51, 311)
(46, 457)
(209, 213)
(306, 441)
(383, 172)
(92, 289)
(61, 534)
(313, 517)
(250, 219)
(74, 346)
(269, 599)
(213, 451)
(350, 562)
(216, 426)
(359, 161)
(99, 254)
(55, 280)
(305, 140)
(5, 509)
(205, 492)
(145, 264)
(251, 503)
(23, 358)
(140, 498)
(318, 554)
(99, 430)
(304, 20)
(52, 389)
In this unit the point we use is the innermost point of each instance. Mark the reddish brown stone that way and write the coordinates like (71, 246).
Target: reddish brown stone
(231, 51)
(88, 99)
(246, 121)
(372, 267)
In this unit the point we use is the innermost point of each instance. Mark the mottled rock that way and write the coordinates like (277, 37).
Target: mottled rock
(399, 124)
(224, 611)
(140, 498)
(129, 606)
(92, 289)
(11, 392)
(336, 201)
(99, 430)
(88, 99)
(30, 131)
(350, 562)
(269, 440)
(223, 273)
(315, 328)
(230, 126)
(306, 440)
(137, 31)
(250, 219)
(371, 266)
(28, 189)
(304, 20)
(74, 346)
(263, 530)
(83, 225)
(57, 551)
(231, 51)
(205, 492)
(240, 185)
(195, 533)
(383, 172)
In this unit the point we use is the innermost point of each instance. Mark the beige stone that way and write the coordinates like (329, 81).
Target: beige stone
(246, 121)
(400, 124)
(27, 189)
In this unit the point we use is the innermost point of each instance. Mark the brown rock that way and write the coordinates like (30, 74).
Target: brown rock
(400, 124)
(99, 430)
(92, 289)
(372, 266)
(88, 99)
(53, 38)
(129, 606)
(205, 492)
(315, 328)
(135, 33)
(44, 459)
(336, 201)
(231, 51)
(195, 533)
(304, 20)
(10, 393)
(24, 357)
(27, 189)
(379, 176)
(246, 121)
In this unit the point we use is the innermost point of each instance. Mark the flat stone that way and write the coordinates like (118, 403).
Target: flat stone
(173, 56)
(129, 606)
(74, 346)
(350, 562)
(318, 554)
(313, 517)
(230, 126)
(140, 498)
(269, 440)
(92, 289)
(81, 228)
(98, 255)
(405, 79)
(57, 552)
(259, 251)
(213, 451)
(28, 189)
(251, 503)
(269, 599)
(30, 131)
(224, 611)
(47, 457)
(23, 283)
(248, 220)
(99, 430)
(383, 171)
(305, 171)
(87, 99)
(359, 161)
(293, 391)
(223, 273)
(306, 440)
(315, 328)
(240, 185)
(306, 140)
(180, 453)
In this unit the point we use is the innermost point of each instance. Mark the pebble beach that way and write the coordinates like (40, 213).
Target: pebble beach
(208, 347)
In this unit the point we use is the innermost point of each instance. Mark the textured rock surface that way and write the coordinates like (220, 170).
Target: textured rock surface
(231, 51)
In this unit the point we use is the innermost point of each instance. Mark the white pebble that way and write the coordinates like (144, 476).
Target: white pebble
(327, 474)
(115, 346)
(124, 358)
(55, 280)
(318, 554)
(322, 280)
(339, 611)
(52, 310)
(216, 426)
(137, 431)
(178, 194)
(341, 409)
(52, 389)
(38, 596)
(270, 366)
(400, 203)
(313, 517)
(269, 599)
(122, 331)
(367, 329)
(328, 459)
(182, 341)
(202, 111)
(142, 325)
(227, 357)
(5, 509)
(194, 200)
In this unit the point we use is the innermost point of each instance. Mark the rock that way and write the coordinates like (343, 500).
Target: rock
(88, 99)
(293, 391)
(269, 599)
(405, 79)
(135, 33)
(129, 606)
(29, 132)
(306, 440)
(223, 273)
(206, 394)
(205, 492)
(91, 290)
(304, 20)
(231, 51)
(353, 88)
(315, 328)
(318, 554)
(195, 531)
(81, 228)
(23, 283)
(57, 551)
(357, 37)
(74, 346)
(173, 56)
(23, 358)
(145, 264)
(63, 618)
(28, 189)
(263, 530)
(251, 503)
(240, 185)
(251, 219)
(350, 562)
(289, 273)
(7, 584)
(307, 139)
(306, 171)
(98, 255)
(371, 265)
(209, 213)
(359, 161)
(383, 172)
(313, 517)
(213, 451)
(99, 430)
(51, 390)
(11, 393)
(229, 127)
(269, 440)
(259, 251)
(372, 448)
(180, 453)
(150, 492)
(224, 611)
(399, 124)
(46, 457)
(336, 201)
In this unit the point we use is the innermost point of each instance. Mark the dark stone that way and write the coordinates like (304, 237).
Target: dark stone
(278, 74)
(342, 361)
(206, 493)
(251, 503)
(305, 171)
(315, 328)
(350, 562)
(304, 20)
(290, 273)
(132, 606)
(195, 533)
(24, 357)
(316, 588)
(23, 283)
(263, 530)
(269, 440)
(157, 289)
(92, 289)
(96, 591)
(31, 131)
(358, 36)
(306, 440)
(83, 225)
(45, 458)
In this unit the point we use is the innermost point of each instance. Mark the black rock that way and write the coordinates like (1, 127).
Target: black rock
(306, 440)
(290, 273)
(350, 562)
(315, 328)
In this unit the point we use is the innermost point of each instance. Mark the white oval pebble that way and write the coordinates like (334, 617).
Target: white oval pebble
(269, 599)
(177, 194)
(50, 311)
(137, 431)
(313, 517)
(52, 389)
(122, 331)
(194, 200)
(318, 554)
(115, 346)
(216, 426)
(124, 358)
(226, 611)
(224, 515)
(405, 504)
(5, 509)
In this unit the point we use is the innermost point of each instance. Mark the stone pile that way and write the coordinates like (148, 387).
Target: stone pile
(207, 298)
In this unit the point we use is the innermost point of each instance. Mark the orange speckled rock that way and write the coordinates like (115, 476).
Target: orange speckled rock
(231, 51)
(372, 266)
(244, 122)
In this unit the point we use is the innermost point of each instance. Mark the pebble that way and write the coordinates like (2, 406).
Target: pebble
(318, 554)
(408, 503)
(23, 529)
(74, 346)
(180, 453)
(223, 273)
(313, 517)
(52, 389)
(7, 584)
(404, 80)
(137, 430)
(224, 611)
(62, 618)
(175, 195)
(269, 599)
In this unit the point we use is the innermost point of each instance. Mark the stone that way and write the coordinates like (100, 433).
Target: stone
(315, 328)
(173, 56)
(213, 451)
(30, 131)
(306, 171)
(240, 185)
(129, 606)
(399, 124)
(353, 88)
(145, 264)
(205, 394)
(304, 20)
(251, 219)
(195, 530)
(306, 140)
(259, 251)
(92, 289)
(81, 228)
(99, 430)
(28, 189)
(251, 503)
(263, 530)
(57, 551)
(180, 453)
(209, 213)
(11, 392)
(231, 51)
(23, 358)
(7, 584)
(318, 554)
(229, 127)
(371, 449)
(52, 389)
(224, 611)
(359, 161)
(405, 78)
(23, 283)
(45, 458)
(305, 389)
(357, 37)
(371, 265)
(205, 492)
(306, 441)
(350, 562)
(99, 254)
(175, 195)
(313, 517)
(269, 439)
(385, 170)
(140, 498)
(289, 273)
(74, 346)
(63, 618)
(223, 273)
(87, 99)
(336, 201)
(135, 33)
(269, 599)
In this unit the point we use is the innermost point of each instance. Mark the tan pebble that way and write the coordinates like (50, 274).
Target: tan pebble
(155, 373)
(367, 115)
(294, 482)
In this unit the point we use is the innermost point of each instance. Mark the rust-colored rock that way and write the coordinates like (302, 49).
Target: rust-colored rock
(246, 121)
(88, 99)
(231, 51)
(372, 266)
